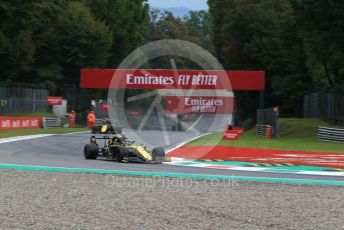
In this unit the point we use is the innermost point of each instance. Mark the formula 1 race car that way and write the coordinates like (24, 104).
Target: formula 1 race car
(105, 127)
(121, 149)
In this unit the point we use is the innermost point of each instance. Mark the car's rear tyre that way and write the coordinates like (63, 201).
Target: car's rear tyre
(91, 151)
(158, 154)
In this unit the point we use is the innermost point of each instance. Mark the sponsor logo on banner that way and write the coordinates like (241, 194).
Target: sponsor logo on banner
(7, 123)
(198, 104)
(54, 100)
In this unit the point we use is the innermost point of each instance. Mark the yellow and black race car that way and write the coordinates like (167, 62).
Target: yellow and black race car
(121, 149)
(105, 127)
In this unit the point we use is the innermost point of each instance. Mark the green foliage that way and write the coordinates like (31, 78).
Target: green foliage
(194, 27)
(128, 22)
(16, 47)
(46, 42)
(297, 43)
(72, 39)
(322, 24)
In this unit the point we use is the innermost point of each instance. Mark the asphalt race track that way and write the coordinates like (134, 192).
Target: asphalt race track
(67, 151)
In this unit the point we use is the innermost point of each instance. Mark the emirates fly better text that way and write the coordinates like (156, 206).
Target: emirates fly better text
(207, 80)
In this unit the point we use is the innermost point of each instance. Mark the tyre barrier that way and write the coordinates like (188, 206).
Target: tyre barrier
(51, 122)
(260, 130)
(331, 134)
(264, 131)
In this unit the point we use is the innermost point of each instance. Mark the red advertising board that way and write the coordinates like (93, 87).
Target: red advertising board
(54, 100)
(239, 130)
(199, 104)
(172, 79)
(230, 135)
(8, 123)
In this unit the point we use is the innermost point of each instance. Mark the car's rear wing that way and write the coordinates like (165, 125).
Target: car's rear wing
(106, 139)
(93, 139)
(100, 138)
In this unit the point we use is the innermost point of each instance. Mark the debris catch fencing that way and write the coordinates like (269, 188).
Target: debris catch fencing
(23, 100)
(325, 106)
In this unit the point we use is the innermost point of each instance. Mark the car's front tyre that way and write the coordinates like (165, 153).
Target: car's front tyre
(158, 154)
(121, 154)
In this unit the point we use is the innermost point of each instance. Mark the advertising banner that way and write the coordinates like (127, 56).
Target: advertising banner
(172, 79)
(8, 123)
(54, 100)
(199, 104)
(230, 135)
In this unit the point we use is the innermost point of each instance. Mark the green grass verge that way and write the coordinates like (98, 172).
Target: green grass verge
(24, 132)
(296, 134)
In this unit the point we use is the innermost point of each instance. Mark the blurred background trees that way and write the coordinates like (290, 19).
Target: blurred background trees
(297, 42)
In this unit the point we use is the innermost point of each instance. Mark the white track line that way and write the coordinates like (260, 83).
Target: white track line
(322, 173)
(20, 138)
(185, 142)
(65, 134)
(28, 137)
(195, 123)
(182, 162)
(175, 159)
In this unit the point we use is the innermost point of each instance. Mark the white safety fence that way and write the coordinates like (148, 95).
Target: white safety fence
(331, 134)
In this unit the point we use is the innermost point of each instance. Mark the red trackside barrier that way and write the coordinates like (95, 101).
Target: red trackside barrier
(9, 123)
